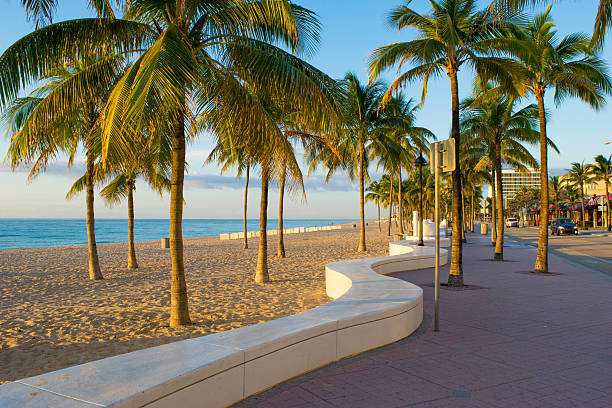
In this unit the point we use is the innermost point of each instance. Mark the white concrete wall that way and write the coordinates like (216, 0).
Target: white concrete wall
(297, 230)
(370, 310)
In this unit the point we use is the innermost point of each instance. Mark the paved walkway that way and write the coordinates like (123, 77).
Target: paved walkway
(514, 339)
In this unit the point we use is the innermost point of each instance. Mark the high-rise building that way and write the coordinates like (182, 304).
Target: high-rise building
(513, 180)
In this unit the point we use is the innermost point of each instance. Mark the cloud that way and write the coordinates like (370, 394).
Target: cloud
(57, 168)
(314, 183)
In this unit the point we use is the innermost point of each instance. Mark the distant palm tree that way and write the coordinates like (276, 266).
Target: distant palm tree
(500, 131)
(361, 127)
(150, 161)
(579, 175)
(454, 34)
(374, 194)
(566, 64)
(556, 188)
(601, 170)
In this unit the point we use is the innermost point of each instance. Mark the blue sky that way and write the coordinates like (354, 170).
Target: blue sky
(351, 30)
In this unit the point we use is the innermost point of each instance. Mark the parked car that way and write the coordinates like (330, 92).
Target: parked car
(512, 222)
(560, 226)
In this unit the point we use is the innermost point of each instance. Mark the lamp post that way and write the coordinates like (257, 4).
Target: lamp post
(420, 162)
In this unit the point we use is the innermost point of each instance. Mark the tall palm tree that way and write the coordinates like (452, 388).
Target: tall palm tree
(556, 188)
(568, 66)
(500, 130)
(601, 170)
(454, 34)
(404, 138)
(361, 126)
(579, 175)
(227, 155)
(146, 160)
(62, 113)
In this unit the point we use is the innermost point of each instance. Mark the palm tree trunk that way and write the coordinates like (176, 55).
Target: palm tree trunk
(244, 212)
(281, 243)
(362, 241)
(179, 305)
(95, 272)
(455, 277)
(378, 205)
(399, 200)
(464, 226)
(499, 202)
(261, 272)
(607, 206)
(493, 205)
(472, 212)
(541, 264)
(390, 204)
(132, 263)
(583, 222)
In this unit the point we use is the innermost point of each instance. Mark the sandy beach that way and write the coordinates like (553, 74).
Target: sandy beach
(52, 316)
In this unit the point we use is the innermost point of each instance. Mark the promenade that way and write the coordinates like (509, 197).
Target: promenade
(511, 339)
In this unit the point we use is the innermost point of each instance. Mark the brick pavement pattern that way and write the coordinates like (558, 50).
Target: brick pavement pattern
(516, 340)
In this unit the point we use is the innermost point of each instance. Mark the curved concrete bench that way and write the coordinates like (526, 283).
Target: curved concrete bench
(370, 310)
(445, 242)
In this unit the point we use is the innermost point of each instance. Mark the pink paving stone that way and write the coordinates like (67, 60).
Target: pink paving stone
(521, 341)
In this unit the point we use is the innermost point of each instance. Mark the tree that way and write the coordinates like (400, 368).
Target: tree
(353, 142)
(227, 155)
(151, 162)
(452, 36)
(374, 194)
(64, 112)
(567, 65)
(579, 175)
(601, 170)
(556, 188)
(500, 131)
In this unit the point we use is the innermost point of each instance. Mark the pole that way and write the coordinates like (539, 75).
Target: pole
(420, 243)
(436, 158)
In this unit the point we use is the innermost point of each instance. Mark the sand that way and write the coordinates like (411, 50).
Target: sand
(52, 316)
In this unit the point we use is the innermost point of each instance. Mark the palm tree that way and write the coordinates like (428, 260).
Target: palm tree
(403, 138)
(566, 65)
(150, 161)
(452, 36)
(601, 170)
(579, 175)
(62, 113)
(361, 126)
(227, 155)
(500, 130)
(556, 188)
(374, 194)
(572, 195)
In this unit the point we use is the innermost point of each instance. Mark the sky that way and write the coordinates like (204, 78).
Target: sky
(351, 29)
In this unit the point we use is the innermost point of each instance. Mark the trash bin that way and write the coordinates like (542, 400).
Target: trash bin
(165, 243)
(483, 229)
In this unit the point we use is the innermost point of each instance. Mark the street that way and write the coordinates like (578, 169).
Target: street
(592, 248)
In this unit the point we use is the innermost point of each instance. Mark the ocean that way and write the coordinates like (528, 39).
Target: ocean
(16, 233)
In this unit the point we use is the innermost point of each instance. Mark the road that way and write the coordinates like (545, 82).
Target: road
(592, 249)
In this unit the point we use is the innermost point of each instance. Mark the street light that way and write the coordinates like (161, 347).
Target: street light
(420, 162)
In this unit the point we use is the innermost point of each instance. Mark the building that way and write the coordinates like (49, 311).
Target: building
(513, 180)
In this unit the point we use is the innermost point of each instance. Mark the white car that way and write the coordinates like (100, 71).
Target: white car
(512, 222)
